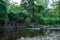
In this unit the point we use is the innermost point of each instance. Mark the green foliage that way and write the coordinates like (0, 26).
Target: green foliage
(3, 11)
(56, 9)
(21, 14)
(51, 21)
(35, 12)
(44, 3)
(15, 9)
(36, 18)
(16, 15)
(47, 13)
(28, 20)
(58, 5)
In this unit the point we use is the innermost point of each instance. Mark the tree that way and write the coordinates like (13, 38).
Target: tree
(3, 12)
(56, 9)
(33, 10)
(44, 3)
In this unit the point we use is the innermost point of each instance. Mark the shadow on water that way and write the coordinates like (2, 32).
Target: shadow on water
(21, 33)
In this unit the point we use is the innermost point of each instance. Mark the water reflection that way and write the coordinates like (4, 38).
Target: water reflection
(16, 34)
(31, 34)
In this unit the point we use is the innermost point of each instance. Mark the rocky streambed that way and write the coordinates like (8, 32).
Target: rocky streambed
(52, 36)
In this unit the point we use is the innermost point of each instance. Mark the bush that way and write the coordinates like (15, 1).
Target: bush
(51, 21)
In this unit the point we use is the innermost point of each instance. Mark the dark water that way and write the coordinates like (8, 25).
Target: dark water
(18, 33)
(29, 34)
